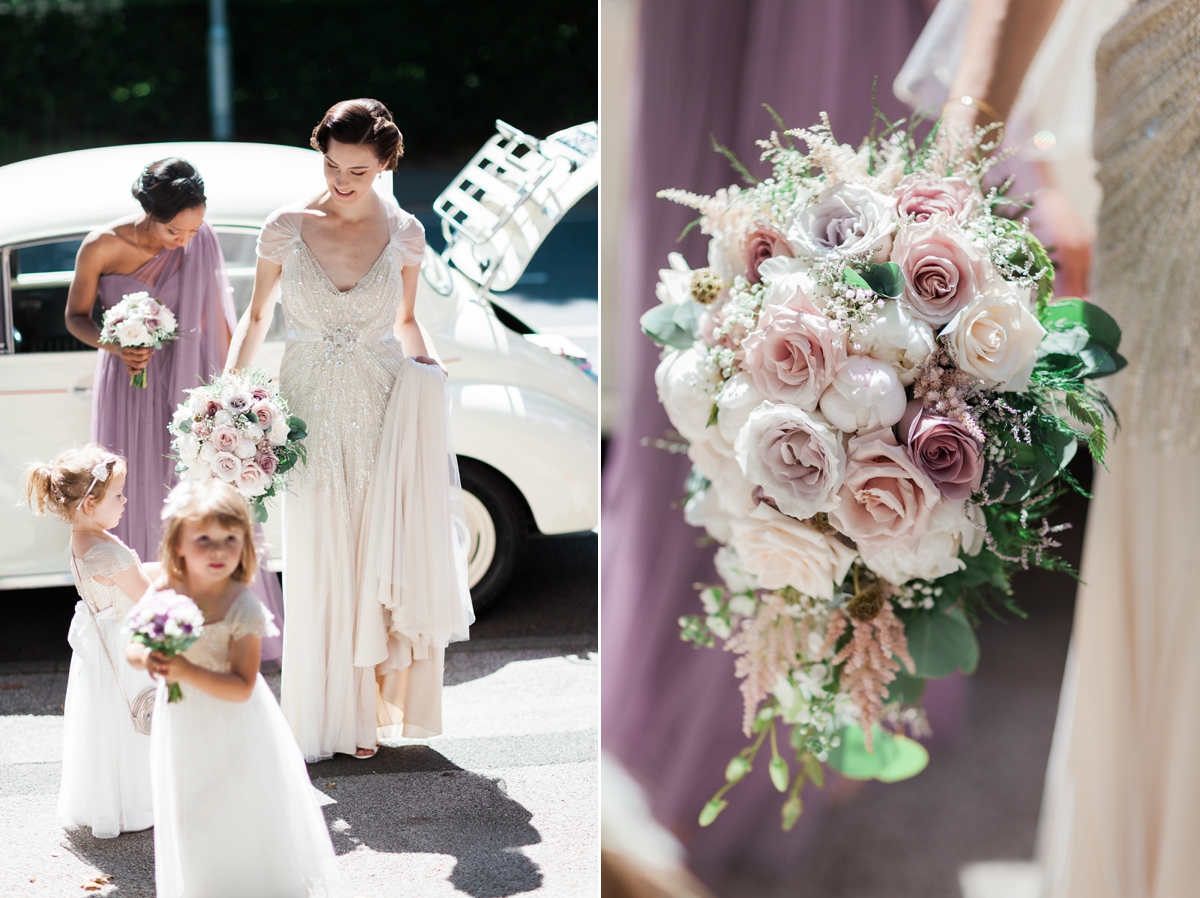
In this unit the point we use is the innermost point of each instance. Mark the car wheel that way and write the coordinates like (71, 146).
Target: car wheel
(498, 528)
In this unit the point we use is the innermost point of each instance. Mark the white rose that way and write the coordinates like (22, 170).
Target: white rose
(279, 431)
(207, 453)
(245, 449)
(899, 339)
(197, 470)
(687, 388)
(995, 338)
(167, 317)
(866, 394)
(132, 332)
(795, 457)
(675, 283)
(737, 399)
(703, 509)
(846, 219)
(950, 529)
(188, 446)
(733, 572)
(781, 551)
(725, 256)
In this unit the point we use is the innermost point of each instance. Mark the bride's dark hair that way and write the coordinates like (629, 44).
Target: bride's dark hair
(167, 187)
(361, 122)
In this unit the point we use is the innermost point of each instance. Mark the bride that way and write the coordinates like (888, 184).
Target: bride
(374, 578)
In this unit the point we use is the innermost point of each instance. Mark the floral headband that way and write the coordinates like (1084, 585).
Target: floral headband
(100, 473)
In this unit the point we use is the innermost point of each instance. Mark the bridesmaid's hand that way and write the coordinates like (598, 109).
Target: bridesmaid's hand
(426, 360)
(135, 358)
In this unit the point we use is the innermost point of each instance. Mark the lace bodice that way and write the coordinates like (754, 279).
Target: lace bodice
(105, 559)
(341, 358)
(246, 617)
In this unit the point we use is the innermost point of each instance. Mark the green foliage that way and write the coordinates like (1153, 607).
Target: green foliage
(892, 759)
(941, 642)
(673, 325)
(906, 689)
(886, 280)
(734, 161)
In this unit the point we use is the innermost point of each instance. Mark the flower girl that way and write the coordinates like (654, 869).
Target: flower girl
(235, 814)
(105, 770)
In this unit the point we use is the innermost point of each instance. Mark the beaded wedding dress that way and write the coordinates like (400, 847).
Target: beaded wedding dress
(374, 545)
(235, 814)
(1121, 812)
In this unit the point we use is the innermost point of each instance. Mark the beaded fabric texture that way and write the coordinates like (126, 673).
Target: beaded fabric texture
(341, 358)
(1147, 141)
(105, 559)
(245, 617)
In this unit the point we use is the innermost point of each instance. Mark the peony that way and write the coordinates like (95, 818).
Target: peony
(226, 466)
(279, 431)
(762, 243)
(845, 219)
(687, 388)
(793, 355)
(995, 338)
(245, 449)
(237, 401)
(899, 339)
(266, 460)
(252, 481)
(944, 449)
(865, 395)
(780, 551)
(951, 530)
(188, 446)
(132, 333)
(943, 269)
(737, 399)
(226, 438)
(795, 457)
(885, 498)
(920, 197)
(264, 411)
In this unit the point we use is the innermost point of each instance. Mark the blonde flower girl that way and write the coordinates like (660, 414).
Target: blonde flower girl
(235, 814)
(105, 770)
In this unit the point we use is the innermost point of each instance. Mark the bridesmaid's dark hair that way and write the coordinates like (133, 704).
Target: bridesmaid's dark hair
(360, 122)
(167, 187)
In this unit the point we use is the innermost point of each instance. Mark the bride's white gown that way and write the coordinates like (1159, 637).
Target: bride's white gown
(360, 651)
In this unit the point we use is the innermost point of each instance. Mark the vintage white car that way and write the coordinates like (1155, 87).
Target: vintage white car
(525, 414)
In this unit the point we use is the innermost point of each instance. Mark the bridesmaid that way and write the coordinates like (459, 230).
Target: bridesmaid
(168, 251)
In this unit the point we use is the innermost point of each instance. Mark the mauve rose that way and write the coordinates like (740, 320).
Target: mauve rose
(943, 269)
(944, 450)
(237, 401)
(267, 461)
(211, 408)
(226, 438)
(258, 394)
(793, 355)
(761, 244)
(846, 219)
(885, 497)
(226, 466)
(265, 413)
(921, 196)
(795, 458)
(152, 323)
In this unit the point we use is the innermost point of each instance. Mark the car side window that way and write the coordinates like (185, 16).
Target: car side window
(39, 277)
(237, 246)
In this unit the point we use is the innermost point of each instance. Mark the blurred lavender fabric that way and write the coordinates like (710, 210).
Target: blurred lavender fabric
(671, 713)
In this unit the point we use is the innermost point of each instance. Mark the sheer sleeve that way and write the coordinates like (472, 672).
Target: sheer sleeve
(279, 234)
(248, 617)
(408, 237)
(107, 559)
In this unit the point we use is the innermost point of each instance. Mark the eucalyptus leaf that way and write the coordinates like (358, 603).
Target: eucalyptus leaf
(1068, 341)
(886, 280)
(941, 643)
(673, 324)
(854, 279)
(906, 688)
(893, 758)
(1100, 361)
(1102, 327)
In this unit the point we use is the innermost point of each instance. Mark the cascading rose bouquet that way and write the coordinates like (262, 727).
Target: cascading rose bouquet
(879, 399)
(237, 428)
(138, 320)
(169, 623)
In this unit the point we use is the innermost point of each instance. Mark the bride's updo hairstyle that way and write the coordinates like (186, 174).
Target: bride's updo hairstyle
(202, 501)
(361, 122)
(167, 187)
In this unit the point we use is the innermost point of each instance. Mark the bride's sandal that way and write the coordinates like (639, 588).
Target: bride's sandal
(364, 754)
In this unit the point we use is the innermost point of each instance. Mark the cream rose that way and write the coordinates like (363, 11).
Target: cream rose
(781, 551)
(703, 509)
(995, 338)
(252, 481)
(794, 456)
(846, 219)
(936, 555)
(733, 572)
(279, 431)
(865, 395)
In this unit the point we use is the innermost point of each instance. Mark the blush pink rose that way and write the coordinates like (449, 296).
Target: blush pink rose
(921, 196)
(943, 269)
(944, 450)
(793, 355)
(226, 438)
(252, 481)
(265, 413)
(226, 466)
(267, 461)
(761, 244)
(885, 497)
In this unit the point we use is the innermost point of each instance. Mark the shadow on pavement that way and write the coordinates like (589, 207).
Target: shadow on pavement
(128, 859)
(436, 808)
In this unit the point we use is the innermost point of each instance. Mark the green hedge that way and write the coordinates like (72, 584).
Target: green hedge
(83, 73)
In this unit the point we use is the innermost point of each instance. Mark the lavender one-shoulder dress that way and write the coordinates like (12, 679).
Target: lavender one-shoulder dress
(192, 283)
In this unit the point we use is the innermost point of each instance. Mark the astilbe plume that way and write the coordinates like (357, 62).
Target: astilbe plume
(869, 662)
(948, 391)
(768, 647)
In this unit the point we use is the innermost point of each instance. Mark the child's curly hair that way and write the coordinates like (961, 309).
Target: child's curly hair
(61, 485)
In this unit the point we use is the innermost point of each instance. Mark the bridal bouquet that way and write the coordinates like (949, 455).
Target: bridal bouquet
(169, 623)
(879, 398)
(138, 320)
(237, 428)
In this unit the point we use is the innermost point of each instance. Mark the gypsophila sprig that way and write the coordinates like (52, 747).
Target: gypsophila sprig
(879, 399)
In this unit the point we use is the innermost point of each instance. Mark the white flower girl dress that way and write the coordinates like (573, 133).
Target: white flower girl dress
(235, 813)
(106, 761)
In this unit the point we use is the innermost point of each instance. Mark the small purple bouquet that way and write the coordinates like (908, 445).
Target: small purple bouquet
(169, 623)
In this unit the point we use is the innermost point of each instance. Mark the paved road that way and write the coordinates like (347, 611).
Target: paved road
(503, 804)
